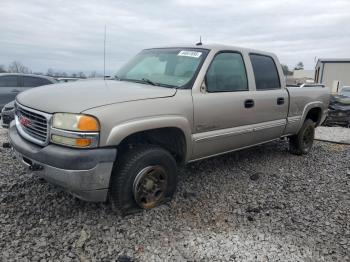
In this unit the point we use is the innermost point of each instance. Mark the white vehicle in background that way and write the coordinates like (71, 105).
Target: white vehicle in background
(312, 85)
(305, 85)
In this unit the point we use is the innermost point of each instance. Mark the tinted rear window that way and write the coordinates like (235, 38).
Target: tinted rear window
(31, 81)
(8, 81)
(265, 72)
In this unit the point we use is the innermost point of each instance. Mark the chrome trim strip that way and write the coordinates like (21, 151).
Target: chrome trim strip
(233, 133)
(94, 136)
(46, 115)
(240, 131)
(272, 125)
(293, 119)
(27, 136)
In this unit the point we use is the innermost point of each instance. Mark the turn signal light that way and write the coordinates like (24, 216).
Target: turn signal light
(74, 142)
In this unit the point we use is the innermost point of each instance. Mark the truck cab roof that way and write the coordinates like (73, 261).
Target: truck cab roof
(218, 47)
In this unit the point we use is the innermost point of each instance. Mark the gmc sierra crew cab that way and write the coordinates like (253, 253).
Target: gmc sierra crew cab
(124, 139)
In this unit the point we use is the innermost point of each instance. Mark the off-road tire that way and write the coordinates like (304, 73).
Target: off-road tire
(129, 165)
(302, 142)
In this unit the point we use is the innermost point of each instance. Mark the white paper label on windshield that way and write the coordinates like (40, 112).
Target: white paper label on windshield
(190, 53)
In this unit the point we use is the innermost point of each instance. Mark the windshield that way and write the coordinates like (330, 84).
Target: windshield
(345, 92)
(169, 67)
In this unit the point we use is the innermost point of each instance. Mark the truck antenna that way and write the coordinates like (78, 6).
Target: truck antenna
(104, 54)
(200, 41)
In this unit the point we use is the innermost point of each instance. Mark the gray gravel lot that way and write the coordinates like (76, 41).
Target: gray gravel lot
(260, 204)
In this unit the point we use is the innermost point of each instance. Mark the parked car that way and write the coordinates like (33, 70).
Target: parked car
(7, 114)
(12, 84)
(125, 138)
(339, 108)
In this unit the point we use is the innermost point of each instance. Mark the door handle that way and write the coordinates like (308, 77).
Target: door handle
(280, 101)
(249, 103)
(15, 91)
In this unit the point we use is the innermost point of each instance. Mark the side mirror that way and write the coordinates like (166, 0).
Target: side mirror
(203, 87)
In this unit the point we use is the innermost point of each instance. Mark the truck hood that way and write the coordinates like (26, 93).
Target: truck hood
(79, 96)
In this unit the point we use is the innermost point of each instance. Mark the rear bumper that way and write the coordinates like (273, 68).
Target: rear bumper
(84, 173)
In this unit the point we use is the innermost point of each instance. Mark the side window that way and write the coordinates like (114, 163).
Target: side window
(30, 81)
(227, 73)
(8, 81)
(265, 72)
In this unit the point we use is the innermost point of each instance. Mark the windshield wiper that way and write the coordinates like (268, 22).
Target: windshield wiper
(149, 82)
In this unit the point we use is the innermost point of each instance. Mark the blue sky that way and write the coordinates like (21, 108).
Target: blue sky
(68, 35)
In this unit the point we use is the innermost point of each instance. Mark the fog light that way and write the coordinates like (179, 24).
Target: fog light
(75, 142)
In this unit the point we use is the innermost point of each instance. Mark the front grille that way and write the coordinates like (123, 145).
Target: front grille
(33, 123)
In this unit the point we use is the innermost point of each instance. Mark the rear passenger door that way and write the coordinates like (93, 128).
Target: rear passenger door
(270, 99)
(8, 89)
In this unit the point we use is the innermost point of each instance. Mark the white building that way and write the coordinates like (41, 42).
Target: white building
(331, 70)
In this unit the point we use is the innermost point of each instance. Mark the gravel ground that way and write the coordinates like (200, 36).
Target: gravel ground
(337, 134)
(260, 204)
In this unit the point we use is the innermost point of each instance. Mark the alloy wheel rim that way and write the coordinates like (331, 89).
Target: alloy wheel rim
(149, 186)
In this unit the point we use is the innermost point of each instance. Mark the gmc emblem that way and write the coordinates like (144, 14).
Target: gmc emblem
(24, 121)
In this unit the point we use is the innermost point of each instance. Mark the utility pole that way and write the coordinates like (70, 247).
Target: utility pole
(104, 54)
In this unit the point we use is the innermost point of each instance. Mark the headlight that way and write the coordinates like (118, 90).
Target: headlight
(75, 130)
(75, 122)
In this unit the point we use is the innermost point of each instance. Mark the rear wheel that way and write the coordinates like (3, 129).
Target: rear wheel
(143, 178)
(302, 142)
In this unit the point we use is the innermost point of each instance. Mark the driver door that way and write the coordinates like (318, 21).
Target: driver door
(224, 110)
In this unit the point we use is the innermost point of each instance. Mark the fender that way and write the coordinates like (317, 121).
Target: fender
(306, 110)
(125, 129)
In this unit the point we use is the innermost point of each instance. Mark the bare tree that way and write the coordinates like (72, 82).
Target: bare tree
(93, 74)
(17, 67)
(50, 72)
(81, 75)
(299, 66)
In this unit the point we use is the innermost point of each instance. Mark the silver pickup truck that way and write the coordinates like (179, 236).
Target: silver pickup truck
(124, 139)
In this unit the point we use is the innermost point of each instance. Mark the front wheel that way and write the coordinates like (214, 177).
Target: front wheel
(144, 177)
(302, 142)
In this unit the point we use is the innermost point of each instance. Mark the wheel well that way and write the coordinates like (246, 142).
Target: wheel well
(315, 115)
(170, 138)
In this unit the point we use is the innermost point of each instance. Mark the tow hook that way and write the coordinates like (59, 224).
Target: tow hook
(36, 167)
